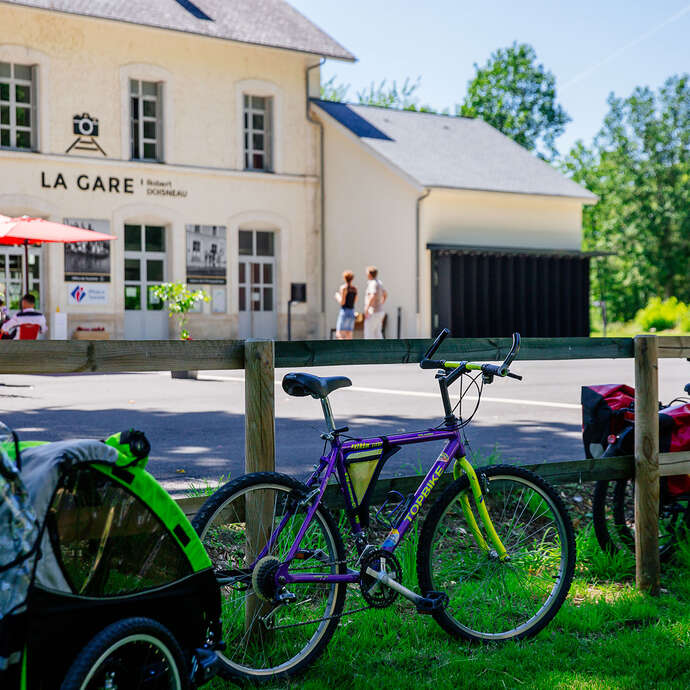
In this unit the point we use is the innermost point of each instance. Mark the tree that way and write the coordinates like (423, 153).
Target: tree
(639, 166)
(330, 91)
(518, 97)
(383, 95)
(181, 301)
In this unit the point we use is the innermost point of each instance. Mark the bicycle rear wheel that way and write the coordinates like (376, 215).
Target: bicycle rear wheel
(490, 599)
(265, 639)
(613, 514)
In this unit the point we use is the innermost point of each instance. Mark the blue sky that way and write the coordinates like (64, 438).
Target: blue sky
(592, 47)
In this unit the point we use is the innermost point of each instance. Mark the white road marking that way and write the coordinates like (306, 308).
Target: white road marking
(422, 394)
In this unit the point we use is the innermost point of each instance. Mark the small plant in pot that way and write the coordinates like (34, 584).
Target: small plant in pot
(180, 300)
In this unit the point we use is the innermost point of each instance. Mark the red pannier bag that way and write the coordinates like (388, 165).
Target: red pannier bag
(603, 414)
(607, 409)
(674, 435)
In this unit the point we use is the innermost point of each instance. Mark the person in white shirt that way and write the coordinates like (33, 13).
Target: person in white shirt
(27, 315)
(373, 305)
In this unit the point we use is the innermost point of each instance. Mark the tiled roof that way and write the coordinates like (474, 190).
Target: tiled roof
(454, 152)
(262, 22)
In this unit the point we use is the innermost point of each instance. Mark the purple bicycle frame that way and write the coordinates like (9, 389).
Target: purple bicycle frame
(335, 462)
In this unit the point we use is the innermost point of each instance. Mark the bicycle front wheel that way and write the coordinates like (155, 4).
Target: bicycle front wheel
(493, 599)
(263, 638)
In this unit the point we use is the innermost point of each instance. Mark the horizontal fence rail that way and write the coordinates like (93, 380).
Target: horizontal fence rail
(79, 356)
(565, 472)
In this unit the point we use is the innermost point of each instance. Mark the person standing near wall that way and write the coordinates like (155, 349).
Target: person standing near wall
(373, 305)
(347, 296)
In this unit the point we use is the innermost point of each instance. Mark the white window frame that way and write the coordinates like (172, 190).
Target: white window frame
(265, 89)
(137, 89)
(13, 81)
(249, 110)
(150, 73)
(40, 63)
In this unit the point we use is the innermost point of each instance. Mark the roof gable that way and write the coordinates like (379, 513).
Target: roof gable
(272, 23)
(452, 152)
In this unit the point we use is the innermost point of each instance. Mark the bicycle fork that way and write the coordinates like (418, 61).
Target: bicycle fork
(463, 465)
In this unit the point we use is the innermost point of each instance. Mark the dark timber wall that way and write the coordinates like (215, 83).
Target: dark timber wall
(480, 293)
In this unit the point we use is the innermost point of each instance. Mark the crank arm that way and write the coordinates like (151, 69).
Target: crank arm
(387, 580)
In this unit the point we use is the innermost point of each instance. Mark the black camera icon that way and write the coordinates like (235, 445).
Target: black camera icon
(84, 125)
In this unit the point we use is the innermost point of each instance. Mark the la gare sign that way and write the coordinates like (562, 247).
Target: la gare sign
(112, 184)
(86, 183)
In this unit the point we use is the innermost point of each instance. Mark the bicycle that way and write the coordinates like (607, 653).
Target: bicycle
(283, 574)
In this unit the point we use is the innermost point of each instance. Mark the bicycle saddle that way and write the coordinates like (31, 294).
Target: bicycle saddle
(307, 384)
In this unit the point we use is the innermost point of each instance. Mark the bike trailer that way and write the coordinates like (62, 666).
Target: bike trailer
(113, 545)
(19, 532)
(608, 409)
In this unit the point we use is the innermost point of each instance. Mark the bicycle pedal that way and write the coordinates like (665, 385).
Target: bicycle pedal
(432, 602)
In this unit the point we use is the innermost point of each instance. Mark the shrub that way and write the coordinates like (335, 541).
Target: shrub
(659, 316)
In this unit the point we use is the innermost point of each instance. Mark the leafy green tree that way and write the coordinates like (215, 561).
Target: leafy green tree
(517, 96)
(330, 91)
(181, 300)
(639, 166)
(383, 94)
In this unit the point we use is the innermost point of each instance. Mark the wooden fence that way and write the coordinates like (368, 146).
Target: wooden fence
(259, 359)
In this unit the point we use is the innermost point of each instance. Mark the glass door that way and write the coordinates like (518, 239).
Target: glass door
(257, 284)
(12, 276)
(145, 268)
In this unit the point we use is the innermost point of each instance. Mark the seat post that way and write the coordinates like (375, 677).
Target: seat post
(328, 415)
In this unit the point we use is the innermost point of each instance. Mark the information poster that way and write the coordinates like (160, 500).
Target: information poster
(88, 262)
(207, 258)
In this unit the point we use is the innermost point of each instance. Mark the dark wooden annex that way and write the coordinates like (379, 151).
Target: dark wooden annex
(480, 292)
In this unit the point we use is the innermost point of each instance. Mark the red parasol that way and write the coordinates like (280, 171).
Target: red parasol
(28, 231)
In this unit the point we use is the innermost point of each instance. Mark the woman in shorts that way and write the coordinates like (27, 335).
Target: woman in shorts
(346, 296)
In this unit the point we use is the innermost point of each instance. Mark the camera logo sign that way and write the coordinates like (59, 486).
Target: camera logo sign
(86, 129)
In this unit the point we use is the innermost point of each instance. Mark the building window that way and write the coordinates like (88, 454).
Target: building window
(257, 132)
(146, 98)
(17, 106)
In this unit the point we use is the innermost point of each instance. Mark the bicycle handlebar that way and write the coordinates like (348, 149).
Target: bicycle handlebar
(501, 370)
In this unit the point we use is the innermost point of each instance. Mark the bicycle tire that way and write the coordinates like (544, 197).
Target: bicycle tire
(132, 653)
(217, 538)
(614, 519)
(553, 555)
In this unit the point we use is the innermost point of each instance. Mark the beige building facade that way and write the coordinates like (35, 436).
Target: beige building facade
(146, 134)
(403, 186)
(200, 143)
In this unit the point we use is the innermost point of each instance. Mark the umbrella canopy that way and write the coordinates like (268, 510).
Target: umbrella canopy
(28, 231)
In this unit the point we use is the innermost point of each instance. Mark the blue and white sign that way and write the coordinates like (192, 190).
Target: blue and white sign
(87, 293)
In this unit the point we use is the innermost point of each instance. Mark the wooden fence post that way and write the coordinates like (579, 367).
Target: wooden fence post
(259, 456)
(647, 463)
(259, 404)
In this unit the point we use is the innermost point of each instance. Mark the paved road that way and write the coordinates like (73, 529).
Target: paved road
(198, 426)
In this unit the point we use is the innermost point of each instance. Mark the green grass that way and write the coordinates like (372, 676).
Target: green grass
(607, 635)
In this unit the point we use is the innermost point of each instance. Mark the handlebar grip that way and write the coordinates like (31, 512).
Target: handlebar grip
(431, 364)
(436, 344)
(515, 376)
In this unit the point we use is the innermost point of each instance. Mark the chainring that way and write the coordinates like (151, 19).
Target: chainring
(375, 593)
